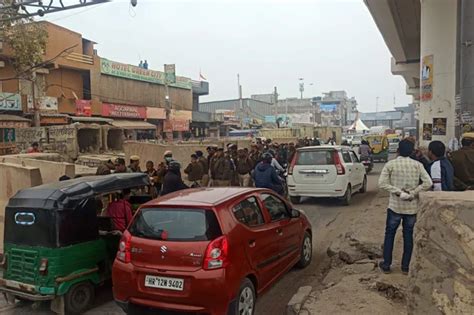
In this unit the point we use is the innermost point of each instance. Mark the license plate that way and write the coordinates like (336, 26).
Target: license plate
(313, 175)
(164, 283)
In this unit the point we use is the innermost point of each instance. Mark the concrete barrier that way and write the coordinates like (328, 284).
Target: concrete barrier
(50, 170)
(13, 178)
(442, 270)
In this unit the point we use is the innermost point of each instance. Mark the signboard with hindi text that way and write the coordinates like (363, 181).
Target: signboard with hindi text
(131, 72)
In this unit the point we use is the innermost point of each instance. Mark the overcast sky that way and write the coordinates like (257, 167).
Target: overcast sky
(333, 44)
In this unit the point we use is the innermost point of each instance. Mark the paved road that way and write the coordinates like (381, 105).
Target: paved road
(325, 215)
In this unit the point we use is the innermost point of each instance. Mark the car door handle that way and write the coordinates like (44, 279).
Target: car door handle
(279, 232)
(252, 243)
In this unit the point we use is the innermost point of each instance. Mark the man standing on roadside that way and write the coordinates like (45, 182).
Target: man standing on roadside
(463, 163)
(440, 169)
(401, 178)
(205, 168)
(221, 171)
(243, 166)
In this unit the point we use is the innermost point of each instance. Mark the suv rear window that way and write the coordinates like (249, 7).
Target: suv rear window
(185, 225)
(319, 157)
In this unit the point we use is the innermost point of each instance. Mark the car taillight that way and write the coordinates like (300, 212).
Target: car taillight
(337, 162)
(43, 268)
(217, 254)
(124, 254)
(292, 164)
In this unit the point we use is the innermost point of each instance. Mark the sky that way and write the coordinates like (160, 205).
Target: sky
(332, 44)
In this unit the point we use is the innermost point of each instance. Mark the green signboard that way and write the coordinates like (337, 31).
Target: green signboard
(130, 72)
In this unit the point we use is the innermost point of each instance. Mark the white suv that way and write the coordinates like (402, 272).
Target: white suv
(326, 171)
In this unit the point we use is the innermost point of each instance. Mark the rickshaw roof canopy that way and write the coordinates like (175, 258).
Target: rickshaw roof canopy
(66, 194)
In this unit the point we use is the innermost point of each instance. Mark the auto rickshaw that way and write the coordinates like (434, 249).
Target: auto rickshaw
(56, 246)
(379, 145)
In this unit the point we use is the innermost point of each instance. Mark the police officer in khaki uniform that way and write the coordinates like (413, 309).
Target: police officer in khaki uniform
(463, 163)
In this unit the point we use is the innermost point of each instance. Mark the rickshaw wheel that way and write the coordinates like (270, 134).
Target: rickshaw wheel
(79, 297)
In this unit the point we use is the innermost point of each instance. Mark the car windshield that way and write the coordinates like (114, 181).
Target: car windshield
(319, 157)
(176, 224)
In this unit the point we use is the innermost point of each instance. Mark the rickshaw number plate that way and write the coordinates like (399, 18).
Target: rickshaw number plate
(164, 283)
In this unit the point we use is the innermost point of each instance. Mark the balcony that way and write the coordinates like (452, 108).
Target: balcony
(200, 87)
(86, 59)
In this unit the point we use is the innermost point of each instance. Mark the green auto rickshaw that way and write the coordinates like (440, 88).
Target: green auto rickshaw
(380, 146)
(58, 246)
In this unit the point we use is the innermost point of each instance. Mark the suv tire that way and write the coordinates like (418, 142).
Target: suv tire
(346, 199)
(306, 251)
(363, 189)
(295, 199)
(246, 299)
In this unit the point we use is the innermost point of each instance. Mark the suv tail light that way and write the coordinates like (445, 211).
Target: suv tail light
(292, 164)
(337, 162)
(43, 268)
(217, 254)
(124, 254)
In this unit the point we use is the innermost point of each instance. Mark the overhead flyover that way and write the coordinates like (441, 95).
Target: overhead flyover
(399, 23)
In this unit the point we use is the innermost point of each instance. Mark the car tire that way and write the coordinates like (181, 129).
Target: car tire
(246, 299)
(306, 251)
(363, 189)
(346, 199)
(79, 298)
(295, 199)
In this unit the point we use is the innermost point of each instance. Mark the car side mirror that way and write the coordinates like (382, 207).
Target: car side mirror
(295, 213)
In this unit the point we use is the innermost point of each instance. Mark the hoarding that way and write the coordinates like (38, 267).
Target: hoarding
(10, 102)
(328, 108)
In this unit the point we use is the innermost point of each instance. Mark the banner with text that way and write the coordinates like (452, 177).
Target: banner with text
(123, 111)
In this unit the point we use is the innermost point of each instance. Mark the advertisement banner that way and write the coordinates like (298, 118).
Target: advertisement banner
(10, 102)
(439, 126)
(83, 108)
(427, 78)
(131, 72)
(123, 111)
(181, 114)
(427, 131)
(328, 108)
(170, 74)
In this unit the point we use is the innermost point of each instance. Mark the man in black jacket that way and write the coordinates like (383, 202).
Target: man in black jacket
(172, 181)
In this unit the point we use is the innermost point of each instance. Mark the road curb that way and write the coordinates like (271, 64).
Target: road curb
(294, 306)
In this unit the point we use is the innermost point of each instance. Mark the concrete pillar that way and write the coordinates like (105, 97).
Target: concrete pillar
(438, 38)
(466, 64)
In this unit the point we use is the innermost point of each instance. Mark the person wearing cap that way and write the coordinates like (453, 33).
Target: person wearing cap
(163, 167)
(134, 166)
(244, 166)
(194, 171)
(221, 171)
(105, 168)
(205, 168)
(463, 163)
(255, 155)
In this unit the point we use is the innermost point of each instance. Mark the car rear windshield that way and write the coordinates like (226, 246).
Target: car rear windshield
(318, 157)
(176, 224)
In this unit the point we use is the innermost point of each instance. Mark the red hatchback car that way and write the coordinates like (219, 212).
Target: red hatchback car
(209, 250)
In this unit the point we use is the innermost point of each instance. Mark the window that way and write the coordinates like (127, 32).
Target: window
(354, 157)
(248, 212)
(275, 207)
(346, 157)
(320, 157)
(177, 224)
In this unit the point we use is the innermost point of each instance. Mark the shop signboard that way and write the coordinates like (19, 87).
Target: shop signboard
(427, 78)
(131, 72)
(14, 124)
(45, 104)
(123, 111)
(176, 125)
(83, 108)
(181, 114)
(155, 113)
(10, 102)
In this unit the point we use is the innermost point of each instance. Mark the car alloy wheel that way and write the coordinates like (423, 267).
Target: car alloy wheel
(246, 300)
(306, 251)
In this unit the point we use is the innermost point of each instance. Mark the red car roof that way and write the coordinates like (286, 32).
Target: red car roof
(203, 197)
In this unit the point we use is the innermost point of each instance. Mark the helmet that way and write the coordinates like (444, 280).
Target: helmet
(174, 166)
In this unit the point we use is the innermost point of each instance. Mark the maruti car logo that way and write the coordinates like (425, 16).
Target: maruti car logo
(164, 249)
